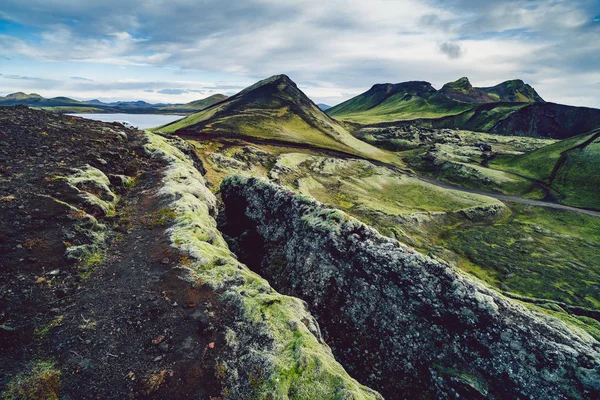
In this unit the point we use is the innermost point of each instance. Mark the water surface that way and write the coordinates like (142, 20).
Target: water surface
(142, 121)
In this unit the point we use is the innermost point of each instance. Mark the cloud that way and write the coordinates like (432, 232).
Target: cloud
(79, 78)
(452, 49)
(335, 48)
(172, 91)
(20, 77)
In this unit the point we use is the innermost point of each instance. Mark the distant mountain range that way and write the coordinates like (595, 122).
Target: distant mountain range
(65, 104)
(509, 108)
(515, 91)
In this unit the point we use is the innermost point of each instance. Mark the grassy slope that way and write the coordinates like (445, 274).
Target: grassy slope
(360, 184)
(480, 118)
(275, 109)
(400, 107)
(539, 253)
(577, 170)
(539, 163)
(578, 179)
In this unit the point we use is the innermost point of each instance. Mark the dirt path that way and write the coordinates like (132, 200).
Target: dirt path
(133, 328)
(120, 323)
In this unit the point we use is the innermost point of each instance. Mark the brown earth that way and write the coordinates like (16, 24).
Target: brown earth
(123, 324)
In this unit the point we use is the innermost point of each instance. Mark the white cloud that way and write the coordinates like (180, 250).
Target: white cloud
(345, 46)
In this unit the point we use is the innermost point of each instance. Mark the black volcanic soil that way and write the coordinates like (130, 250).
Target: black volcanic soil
(125, 327)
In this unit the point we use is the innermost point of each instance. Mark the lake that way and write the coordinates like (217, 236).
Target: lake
(142, 121)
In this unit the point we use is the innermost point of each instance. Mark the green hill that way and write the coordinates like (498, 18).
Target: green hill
(274, 109)
(514, 91)
(571, 168)
(546, 120)
(35, 100)
(197, 105)
(393, 102)
(552, 120)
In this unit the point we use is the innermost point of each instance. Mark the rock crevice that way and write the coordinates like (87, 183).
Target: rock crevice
(400, 322)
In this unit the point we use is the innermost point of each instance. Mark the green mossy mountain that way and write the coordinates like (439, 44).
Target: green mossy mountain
(514, 91)
(390, 102)
(552, 120)
(273, 109)
(416, 99)
(511, 108)
(462, 90)
(197, 105)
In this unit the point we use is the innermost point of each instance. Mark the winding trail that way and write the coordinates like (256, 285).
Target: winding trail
(509, 198)
(237, 139)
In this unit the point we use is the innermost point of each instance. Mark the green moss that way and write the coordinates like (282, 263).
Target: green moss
(93, 188)
(296, 364)
(43, 332)
(465, 376)
(158, 218)
(580, 325)
(578, 179)
(539, 253)
(40, 382)
(88, 264)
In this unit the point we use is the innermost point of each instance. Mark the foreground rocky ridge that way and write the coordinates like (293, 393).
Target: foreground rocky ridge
(388, 311)
(117, 283)
(275, 348)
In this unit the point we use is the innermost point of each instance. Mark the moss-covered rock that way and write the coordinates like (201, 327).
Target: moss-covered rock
(40, 382)
(405, 324)
(275, 346)
(89, 187)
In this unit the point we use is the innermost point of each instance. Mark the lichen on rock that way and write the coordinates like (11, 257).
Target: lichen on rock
(401, 322)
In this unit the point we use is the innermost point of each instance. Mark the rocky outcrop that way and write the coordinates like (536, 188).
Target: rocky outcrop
(275, 348)
(551, 120)
(407, 325)
(462, 90)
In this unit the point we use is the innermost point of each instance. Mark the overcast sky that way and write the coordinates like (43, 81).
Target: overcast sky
(183, 50)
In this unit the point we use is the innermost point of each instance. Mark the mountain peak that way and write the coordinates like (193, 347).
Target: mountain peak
(272, 109)
(462, 83)
(462, 90)
(274, 80)
(514, 90)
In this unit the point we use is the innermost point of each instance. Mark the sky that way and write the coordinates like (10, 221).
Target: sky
(182, 50)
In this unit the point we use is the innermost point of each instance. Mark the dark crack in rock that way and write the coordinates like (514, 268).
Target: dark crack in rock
(400, 322)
